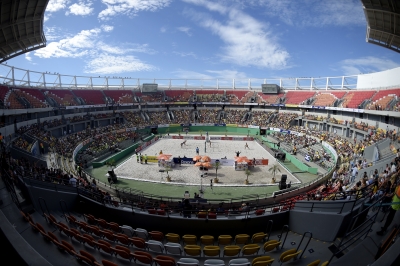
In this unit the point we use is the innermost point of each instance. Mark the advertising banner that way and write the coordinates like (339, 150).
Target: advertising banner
(224, 162)
(251, 126)
(163, 125)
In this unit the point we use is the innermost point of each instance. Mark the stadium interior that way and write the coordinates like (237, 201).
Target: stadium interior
(55, 211)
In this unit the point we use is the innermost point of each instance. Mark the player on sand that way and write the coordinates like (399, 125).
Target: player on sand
(246, 146)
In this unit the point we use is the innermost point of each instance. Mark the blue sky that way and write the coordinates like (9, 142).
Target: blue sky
(207, 39)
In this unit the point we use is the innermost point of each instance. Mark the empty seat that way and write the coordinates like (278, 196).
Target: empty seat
(271, 245)
(314, 263)
(114, 227)
(242, 239)
(188, 262)
(211, 251)
(173, 248)
(143, 257)
(127, 230)
(224, 240)
(123, 239)
(163, 260)
(192, 250)
(108, 263)
(156, 235)
(207, 240)
(239, 262)
(288, 255)
(258, 237)
(262, 261)
(87, 257)
(138, 242)
(189, 239)
(123, 252)
(156, 246)
(250, 249)
(175, 238)
(90, 241)
(214, 262)
(142, 233)
(105, 246)
(232, 250)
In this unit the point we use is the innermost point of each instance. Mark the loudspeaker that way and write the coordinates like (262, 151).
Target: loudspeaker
(283, 178)
(282, 185)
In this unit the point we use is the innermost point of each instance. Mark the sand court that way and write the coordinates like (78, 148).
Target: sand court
(188, 174)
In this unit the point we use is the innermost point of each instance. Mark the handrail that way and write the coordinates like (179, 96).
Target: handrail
(284, 228)
(352, 233)
(270, 224)
(41, 202)
(64, 210)
(309, 239)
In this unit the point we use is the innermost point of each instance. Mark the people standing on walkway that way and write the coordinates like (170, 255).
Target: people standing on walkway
(392, 211)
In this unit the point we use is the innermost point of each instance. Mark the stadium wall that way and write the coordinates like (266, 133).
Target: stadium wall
(387, 78)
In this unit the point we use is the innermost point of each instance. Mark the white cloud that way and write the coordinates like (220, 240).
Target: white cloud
(130, 7)
(101, 58)
(314, 13)
(247, 42)
(163, 29)
(53, 33)
(28, 56)
(80, 9)
(185, 30)
(110, 64)
(56, 5)
(107, 28)
(73, 47)
(366, 64)
(185, 54)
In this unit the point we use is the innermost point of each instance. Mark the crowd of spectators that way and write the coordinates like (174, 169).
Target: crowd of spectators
(209, 97)
(157, 118)
(108, 141)
(18, 168)
(22, 143)
(283, 120)
(234, 116)
(134, 119)
(182, 116)
(208, 116)
(261, 117)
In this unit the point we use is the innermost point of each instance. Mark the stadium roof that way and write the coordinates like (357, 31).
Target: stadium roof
(383, 23)
(21, 26)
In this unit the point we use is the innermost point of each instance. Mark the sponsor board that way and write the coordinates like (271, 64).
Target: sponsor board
(224, 162)
(130, 129)
(252, 126)
(163, 125)
(231, 125)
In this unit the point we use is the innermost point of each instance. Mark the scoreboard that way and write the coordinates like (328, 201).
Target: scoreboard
(270, 88)
(149, 87)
